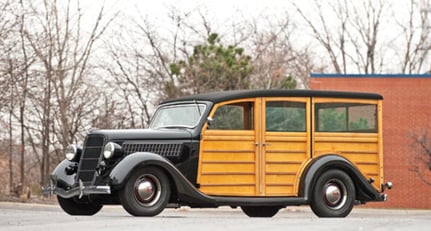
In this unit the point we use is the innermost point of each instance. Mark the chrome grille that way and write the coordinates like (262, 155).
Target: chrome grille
(166, 150)
(90, 158)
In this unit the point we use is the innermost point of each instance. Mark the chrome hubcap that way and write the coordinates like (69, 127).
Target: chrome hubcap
(147, 190)
(335, 194)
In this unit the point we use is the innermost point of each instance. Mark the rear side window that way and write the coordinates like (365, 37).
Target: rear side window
(346, 117)
(285, 116)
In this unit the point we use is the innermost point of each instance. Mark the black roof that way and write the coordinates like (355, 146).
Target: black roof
(216, 97)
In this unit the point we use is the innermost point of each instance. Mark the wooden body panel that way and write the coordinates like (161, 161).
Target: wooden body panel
(257, 162)
(363, 150)
(228, 159)
(228, 163)
(285, 153)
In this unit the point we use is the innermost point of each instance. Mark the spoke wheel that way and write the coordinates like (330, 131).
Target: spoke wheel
(260, 211)
(146, 192)
(333, 195)
(72, 206)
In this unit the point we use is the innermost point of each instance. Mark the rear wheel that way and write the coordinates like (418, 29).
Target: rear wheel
(73, 206)
(146, 192)
(333, 195)
(260, 211)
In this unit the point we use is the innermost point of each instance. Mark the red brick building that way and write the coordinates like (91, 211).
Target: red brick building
(406, 113)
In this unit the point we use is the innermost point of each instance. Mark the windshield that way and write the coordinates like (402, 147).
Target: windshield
(184, 115)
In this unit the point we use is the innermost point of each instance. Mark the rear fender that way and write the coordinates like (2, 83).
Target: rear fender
(365, 191)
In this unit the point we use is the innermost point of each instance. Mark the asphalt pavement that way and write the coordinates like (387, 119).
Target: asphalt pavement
(24, 216)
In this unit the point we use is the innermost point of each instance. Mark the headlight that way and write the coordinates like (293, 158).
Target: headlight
(73, 152)
(112, 150)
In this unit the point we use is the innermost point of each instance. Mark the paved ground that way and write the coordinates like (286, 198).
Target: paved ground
(18, 216)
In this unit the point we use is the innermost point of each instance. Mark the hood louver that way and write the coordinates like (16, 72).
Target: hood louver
(166, 150)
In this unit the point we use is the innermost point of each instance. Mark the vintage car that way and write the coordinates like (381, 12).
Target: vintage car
(260, 150)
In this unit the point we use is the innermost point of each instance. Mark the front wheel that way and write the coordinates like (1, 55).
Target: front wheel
(333, 195)
(72, 206)
(260, 211)
(146, 192)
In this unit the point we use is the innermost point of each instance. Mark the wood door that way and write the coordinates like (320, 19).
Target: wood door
(228, 152)
(286, 144)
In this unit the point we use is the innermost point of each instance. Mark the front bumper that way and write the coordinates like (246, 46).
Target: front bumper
(79, 190)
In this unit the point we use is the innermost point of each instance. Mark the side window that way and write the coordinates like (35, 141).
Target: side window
(348, 117)
(238, 116)
(285, 116)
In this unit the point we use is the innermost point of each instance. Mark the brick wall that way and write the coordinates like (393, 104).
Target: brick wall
(406, 111)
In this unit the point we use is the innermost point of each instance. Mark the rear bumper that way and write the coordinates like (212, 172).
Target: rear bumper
(384, 196)
(79, 190)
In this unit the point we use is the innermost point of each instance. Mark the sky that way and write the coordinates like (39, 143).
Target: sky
(221, 9)
(223, 13)
(218, 11)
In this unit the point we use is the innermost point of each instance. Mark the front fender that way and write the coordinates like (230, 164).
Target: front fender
(63, 180)
(122, 170)
(59, 180)
(186, 191)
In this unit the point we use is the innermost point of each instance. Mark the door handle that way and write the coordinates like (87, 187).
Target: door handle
(263, 144)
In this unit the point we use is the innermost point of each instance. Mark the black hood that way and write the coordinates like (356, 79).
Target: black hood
(144, 134)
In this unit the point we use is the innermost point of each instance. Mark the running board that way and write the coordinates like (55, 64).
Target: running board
(259, 201)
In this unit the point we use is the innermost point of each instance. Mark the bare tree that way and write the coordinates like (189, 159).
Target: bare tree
(353, 42)
(63, 51)
(275, 57)
(416, 33)
(137, 82)
(140, 63)
(10, 78)
(165, 50)
(366, 29)
(420, 161)
(272, 53)
(333, 43)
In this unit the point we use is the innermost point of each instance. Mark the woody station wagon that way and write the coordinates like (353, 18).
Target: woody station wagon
(260, 150)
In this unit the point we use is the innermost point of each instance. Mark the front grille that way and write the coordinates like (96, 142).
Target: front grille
(166, 150)
(90, 158)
